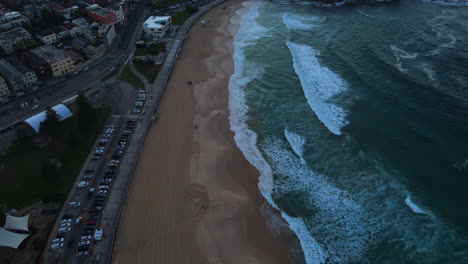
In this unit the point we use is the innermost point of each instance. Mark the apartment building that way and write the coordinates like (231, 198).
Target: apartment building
(29, 76)
(4, 91)
(59, 62)
(13, 20)
(12, 40)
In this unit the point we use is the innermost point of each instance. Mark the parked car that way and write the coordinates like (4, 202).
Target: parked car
(89, 171)
(56, 245)
(87, 177)
(82, 253)
(63, 230)
(84, 243)
(78, 220)
(98, 234)
(102, 192)
(83, 184)
(83, 238)
(35, 107)
(66, 220)
(74, 204)
(88, 232)
(65, 225)
(58, 240)
(136, 111)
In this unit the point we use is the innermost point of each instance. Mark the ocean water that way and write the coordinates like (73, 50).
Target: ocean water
(357, 119)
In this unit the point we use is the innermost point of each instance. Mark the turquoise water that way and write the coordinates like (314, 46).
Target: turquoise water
(356, 119)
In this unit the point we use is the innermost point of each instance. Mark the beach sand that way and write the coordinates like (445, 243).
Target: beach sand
(194, 198)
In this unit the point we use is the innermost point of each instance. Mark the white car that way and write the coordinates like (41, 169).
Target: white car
(65, 225)
(35, 107)
(83, 184)
(78, 220)
(67, 220)
(74, 204)
(56, 245)
(58, 240)
(63, 230)
(84, 238)
(82, 253)
(136, 111)
(103, 187)
(84, 243)
(102, 192)
(98, 234)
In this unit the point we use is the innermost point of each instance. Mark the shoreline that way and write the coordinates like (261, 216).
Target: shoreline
(194, 191)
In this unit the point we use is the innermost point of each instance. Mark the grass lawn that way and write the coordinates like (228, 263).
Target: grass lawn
(142, 52)
(149, 70)
(23, 182)
(179, 18)
(129, 77)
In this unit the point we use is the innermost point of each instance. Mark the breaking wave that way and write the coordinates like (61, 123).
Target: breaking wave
(320, 84)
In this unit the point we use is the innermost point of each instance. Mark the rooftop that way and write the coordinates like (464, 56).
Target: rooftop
(99, 10)
(49, 54)
(15, 62)
(8, 71)
(14, 34)
(157, 22)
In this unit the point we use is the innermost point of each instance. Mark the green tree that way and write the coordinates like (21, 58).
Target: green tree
(87, 115)
(50, 18)
(156, 48)
(50, 126)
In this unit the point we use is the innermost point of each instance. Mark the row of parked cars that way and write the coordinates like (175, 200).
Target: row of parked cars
(91, 217)
(140, 102)
(103, 189)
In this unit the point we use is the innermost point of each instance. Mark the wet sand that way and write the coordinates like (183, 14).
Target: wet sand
(194, 198)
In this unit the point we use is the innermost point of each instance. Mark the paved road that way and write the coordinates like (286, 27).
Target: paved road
(59, 90)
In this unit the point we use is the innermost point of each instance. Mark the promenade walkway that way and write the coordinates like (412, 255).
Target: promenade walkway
(111, 214)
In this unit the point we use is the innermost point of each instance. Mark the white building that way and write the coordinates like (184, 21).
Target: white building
(47, 37)
(13, 20)
(156, 26)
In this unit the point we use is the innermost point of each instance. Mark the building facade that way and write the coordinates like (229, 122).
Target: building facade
(102, 15)
(4, 91)
(12, 40)
(47, 36)
(12, 76)
(13, 20)
(29, 76)
(59, 62)
(107, 33)
(157, 26)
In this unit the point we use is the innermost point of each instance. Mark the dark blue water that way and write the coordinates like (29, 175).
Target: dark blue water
(356, 118)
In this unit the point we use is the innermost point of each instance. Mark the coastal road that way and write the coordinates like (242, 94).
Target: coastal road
(60, 89)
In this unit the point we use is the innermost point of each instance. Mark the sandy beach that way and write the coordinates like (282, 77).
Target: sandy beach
(194, 198)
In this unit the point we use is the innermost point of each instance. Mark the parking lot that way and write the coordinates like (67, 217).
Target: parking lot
(79, 229)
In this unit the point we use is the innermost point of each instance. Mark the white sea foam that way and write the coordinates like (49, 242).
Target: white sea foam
(449, 2)
(363, 13)
(296, 141)
(297, 22)
(415, 208)
(401, 54)
(320, 84)
(429, 71)
(246, 139)
(339, 225)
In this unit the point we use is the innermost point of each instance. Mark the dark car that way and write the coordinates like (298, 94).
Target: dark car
(87, 232)
(83, 248)
(88, 171)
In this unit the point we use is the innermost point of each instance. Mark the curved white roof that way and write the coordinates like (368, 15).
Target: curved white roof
(17, 223)
(11, 239)
(35, 121)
